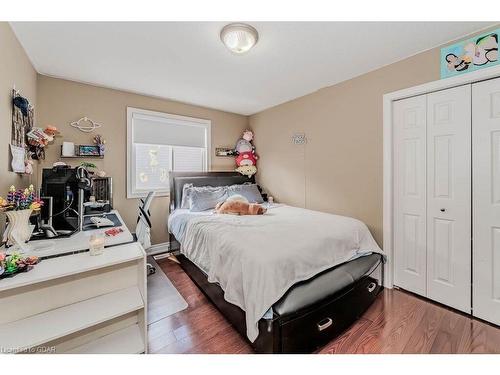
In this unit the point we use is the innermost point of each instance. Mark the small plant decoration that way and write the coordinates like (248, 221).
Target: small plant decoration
(87, 165)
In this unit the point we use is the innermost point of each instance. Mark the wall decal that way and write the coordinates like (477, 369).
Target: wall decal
(86, 125)
(470, 54)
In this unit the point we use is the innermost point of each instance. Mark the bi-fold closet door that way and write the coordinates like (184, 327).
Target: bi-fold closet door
(432, 196)
(486, 199)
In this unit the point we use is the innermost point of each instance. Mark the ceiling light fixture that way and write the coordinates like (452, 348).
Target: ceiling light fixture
(239, 37)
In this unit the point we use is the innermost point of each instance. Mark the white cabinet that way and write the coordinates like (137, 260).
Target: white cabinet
(486, 199)
(78, 304)
(432, 196)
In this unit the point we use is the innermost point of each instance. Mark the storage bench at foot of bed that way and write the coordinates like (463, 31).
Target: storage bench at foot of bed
(303, 330)
(313, 329)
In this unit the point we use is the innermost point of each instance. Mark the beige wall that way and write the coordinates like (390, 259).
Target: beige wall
(15, 69)
(339, 170)
(61, 102)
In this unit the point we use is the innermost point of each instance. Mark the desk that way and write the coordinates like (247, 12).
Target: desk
(76, 242)
(77, 303)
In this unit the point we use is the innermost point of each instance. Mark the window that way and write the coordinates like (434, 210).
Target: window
(158, 143)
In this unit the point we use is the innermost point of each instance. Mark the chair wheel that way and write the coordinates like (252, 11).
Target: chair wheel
(151, 269)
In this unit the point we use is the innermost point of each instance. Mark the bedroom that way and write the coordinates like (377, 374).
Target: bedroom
(247, 190)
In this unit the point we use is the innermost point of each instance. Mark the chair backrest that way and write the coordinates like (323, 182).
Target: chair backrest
(147, 201)
(144, 220)
(144, 205)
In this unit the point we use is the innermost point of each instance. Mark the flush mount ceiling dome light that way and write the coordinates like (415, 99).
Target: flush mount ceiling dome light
(239, 37)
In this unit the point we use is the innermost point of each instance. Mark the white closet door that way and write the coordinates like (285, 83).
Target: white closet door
(486, 201)
(409, 194)
(449, 197)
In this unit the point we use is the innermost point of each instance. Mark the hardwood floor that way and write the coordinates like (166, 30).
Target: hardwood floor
(397, 322)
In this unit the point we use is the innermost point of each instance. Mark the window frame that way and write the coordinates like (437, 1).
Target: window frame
(132, 193)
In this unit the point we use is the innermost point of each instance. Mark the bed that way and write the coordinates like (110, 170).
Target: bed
(302, 316)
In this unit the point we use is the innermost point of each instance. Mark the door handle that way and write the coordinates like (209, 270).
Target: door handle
(324, 324)
(442, 209)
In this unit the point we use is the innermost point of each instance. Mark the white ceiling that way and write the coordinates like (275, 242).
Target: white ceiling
(186, 61)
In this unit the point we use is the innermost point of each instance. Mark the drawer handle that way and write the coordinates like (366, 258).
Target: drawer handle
(371, 287)
(324, 324)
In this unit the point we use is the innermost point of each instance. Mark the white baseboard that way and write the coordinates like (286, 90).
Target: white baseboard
(159, 248)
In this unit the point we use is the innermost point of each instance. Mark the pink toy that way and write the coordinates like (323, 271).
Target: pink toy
(246, 158)
(245, 151)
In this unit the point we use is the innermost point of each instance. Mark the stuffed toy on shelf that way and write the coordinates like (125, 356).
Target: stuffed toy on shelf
(246, 158)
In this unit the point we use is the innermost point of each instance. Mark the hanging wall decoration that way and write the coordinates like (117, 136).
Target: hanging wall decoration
(22, 123)
(18, 156)
(23, 114)
(86, 125)
(27, 141)
(38, 139)
(470, 54)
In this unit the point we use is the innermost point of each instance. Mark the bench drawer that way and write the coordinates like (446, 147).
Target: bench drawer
(315, 328)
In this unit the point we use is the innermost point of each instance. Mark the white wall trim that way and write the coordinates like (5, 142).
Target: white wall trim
(388, 99)
(159, 248)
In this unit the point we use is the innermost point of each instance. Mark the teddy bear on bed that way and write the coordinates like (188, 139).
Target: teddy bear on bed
(239, 205)
(246, 159)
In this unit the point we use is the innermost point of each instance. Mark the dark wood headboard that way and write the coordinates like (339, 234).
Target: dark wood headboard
(178, 179)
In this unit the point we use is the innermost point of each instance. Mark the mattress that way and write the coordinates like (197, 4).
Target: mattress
(303, 294)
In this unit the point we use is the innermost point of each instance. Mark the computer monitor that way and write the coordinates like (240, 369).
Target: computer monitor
(46, 210)
(61, 184)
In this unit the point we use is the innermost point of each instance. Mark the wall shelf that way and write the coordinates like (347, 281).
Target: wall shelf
(61, 156)
(82, 157)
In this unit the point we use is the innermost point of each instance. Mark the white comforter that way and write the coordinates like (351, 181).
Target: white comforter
(256, 259)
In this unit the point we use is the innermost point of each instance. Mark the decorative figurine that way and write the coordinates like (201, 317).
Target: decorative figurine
(101, 142)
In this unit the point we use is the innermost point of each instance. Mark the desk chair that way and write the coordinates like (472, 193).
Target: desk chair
(143, 228)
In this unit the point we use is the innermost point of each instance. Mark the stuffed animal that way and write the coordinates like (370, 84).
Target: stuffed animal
(239, 206)
(245, 153)
(247, 170)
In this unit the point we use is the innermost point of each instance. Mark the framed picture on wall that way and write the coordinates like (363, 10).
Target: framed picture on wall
(470, 54)
(88, 150)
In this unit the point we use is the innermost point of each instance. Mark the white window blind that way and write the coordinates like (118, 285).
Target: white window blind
(188, 159)
(159, 143)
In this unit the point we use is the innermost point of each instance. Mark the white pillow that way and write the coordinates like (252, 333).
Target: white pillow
(186, 192)
(249, 191)
(206, 197)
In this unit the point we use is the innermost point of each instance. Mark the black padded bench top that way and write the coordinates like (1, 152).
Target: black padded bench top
(326, 284)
